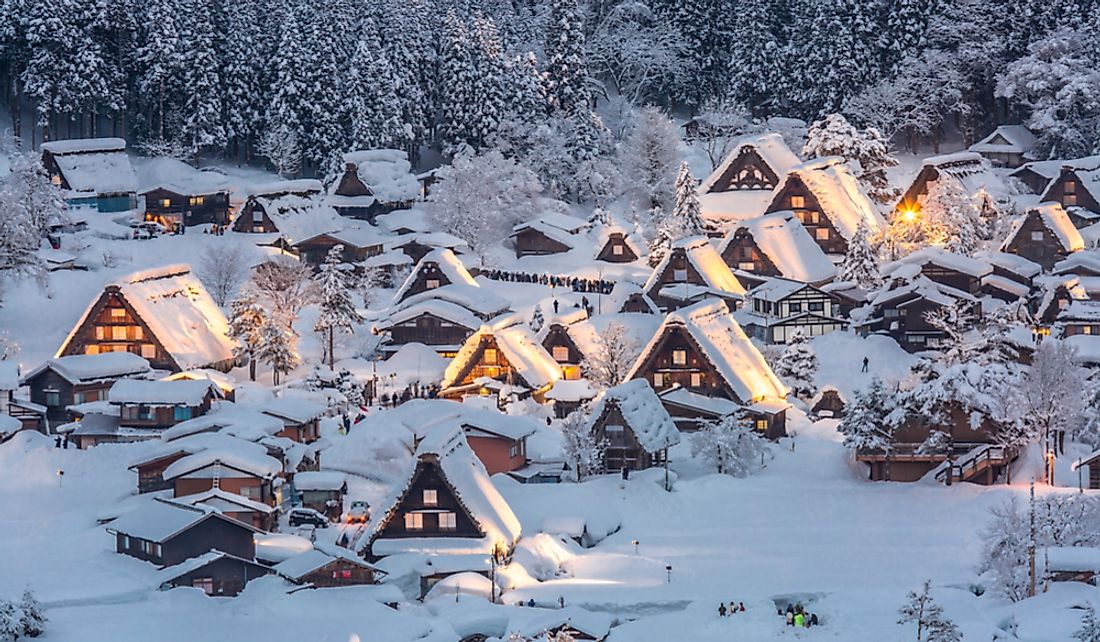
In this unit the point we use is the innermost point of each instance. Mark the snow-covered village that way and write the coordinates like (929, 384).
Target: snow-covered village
(550, 320)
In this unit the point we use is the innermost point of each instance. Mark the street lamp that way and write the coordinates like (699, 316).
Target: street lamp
(668, 574)
(635, 543)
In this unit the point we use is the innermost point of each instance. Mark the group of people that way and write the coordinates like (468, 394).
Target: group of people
(571, 282)
(798, 617)
(723, 610)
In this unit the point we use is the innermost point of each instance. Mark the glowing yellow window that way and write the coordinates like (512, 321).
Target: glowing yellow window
(431, 498)
(118, 314)
(679, 357)
(91, 349)
(490, 356)
(561, 353)
(166, 203)
(148, 351)
(414, 522)
(798, 202)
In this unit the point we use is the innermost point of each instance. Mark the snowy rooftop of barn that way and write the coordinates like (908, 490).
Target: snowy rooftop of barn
(326, 480)
(1013, 263)
(782, 237)
(153, 393)
(1006, 139)
(224, 501)
(475, 420)
(644, 413)
(180, 178)
(386, 172)
(974, 173)
(466, 475)
(96, 165)
(1072, 558)
(519, 346)
(702, 256)
(1055, 219)
(474, 298)
(87, 368)
(771, 148)
(449, 264)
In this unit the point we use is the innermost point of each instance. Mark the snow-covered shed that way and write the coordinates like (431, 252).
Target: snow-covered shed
(826, 197)
(692, 270)
(167, 532)
(288, 211)
(65, 381)
(417, 245)
(374, 182)
(510, 354)
(614, 244)
(1071, 563)
(1037, 175)
(92, 172)
(438, 268)
(550, 233)
(955, 270)
(828, 403)
(163, 314)
(1044, 235)
(741, 186)
(160, 404)
(358, 244)
(301, 417)
(216, 573)
(447, 505)
(328, 566)
(900, 311)
(1007, 146)
(702, 349)
(776, 245)
(973, 174)
(234, 466)
(633, 427)
(151, 464)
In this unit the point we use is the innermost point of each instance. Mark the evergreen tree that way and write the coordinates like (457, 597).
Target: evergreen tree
(537, 319)
(457, 79)
(797, 366)
(932, 624)
(686, 218)
(337, 308)
(201, 79)
(32, 622)
(374, 110)
(755, 56)
(706, 31)
(246, 318)
(904, 33)
(866, 152)
(648, 157)
(867, 423)
(285, 110)
(526, 92)
(277, 347)
(409, 41)
(837, 55)
(323, 135)
(244, 75)
(860, 265)
(566, 65)
(160, 58)
(1090, 627)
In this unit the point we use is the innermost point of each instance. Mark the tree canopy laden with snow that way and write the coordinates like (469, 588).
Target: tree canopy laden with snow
(338, 312)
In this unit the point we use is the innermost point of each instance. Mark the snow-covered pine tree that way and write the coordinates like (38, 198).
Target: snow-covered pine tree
(322, 74)
(648, 157)
(491, 102)
(705, 28)
(661, 242)
(457, 85)
(244, 75)
(282, 141)
(160, 59)
(537, 319)
(860, 264)
(756, 56)
(866, 151)
(32, 622)
(611, 358)
(932, 624)
(525, 89)
(337, 308)
(686, 217)
(566, 65)
(904, 32)
(201, 116)
(50, 31)
(948, 208)
(409, 39)
(374, 109)
(866, 423)
(1090, 627)
(246, 317)
(276, 347)
(10, 626)
(797, 366)
(730, 445)
(581, 448)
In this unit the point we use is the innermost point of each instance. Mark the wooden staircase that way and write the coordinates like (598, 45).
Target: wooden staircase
(981, 465)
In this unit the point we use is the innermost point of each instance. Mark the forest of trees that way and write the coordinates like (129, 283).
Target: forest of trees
(307, 79)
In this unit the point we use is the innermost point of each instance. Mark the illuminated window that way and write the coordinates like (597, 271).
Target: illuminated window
(680, 275)
(118, 314)
(696, 380)
(762, 425)
(561, 353)
(344, 574)
(91, 349)
(137, 332)
(196, 200)
(414, 522)
(679, 357)
(658, 380)
(617, 250)
(166, 203)
(1070, 187)
(798, 202)
(748, 266)
(1037, 235)
(447, 522)
(148, 351)
(431, 498)
(432, 284)
(490, 356)
(118, 333)
(1087, 329)
(1069, 200)
(821, 234)
(100, 332)
(56, 180)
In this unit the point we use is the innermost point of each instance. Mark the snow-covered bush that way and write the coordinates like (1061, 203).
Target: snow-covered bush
(797, 366)
(611, 357)
(932, 624)
(730, 445)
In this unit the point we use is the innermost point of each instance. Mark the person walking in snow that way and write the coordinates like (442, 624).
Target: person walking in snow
(733, 607)
(790, 617)
(800, 620)
(721, 609)
(742, 607)
(866, 361)
(813, 619)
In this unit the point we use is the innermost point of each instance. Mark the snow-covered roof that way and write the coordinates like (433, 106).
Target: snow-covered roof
(1055, 219)
(9, 425)
(475, 420)
(169, 573)
(603, 235)
(464, 473)
(229, 419)
(706, 260)
(771, 148)
(724, 344)
(535, 624)
(974, 173)
(571, 390)
(1078, 311)
(1006, 139)
(823, 390)
(330, 480)
(785, 241)
(159, 520)
(644, 414)
(294, 409)
(549, 231)
(386, 172)
(776, 289)
(180, 178)
(95, 165)
(179, 312)
(9, 375)
(278, 188)
(1072, 558)
(921, 287)
(721, 208)
(192, 444)
(518, 345)
(240, 457)
(476, 299)
(1014, 263)
(1088, 260)
(414, 219)
(447, 263)
(443, 309)
(838, 193)
(224, 501)
(1050, 169)
(306, 562)
(154, 393)
(562, 222)
(352, 237)
(942, 258)
(87, 368)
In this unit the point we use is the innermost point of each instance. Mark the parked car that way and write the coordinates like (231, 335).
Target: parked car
(300, 516)
(359, 513)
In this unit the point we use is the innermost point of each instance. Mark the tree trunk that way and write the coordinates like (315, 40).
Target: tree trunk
(251, 367)
(331, 354)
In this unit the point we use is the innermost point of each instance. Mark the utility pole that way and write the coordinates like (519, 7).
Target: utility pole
(1031, 544)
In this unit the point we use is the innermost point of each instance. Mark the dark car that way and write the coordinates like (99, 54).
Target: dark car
(299, 516)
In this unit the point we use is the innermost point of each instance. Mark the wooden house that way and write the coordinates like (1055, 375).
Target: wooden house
(157, 405)
(702, 349)
(776, 245)
(185, 203)
(1077, 190)
(692, 270)
(1088, 471)
(1071, 563)
(828, 403)
(357, 245)
(166, 533)
(828, 201)
(216, 573)
(1078, 318)
(633, 427)
(328, 566)
(1084, 263)
(92, 173)
(1044, 235)
(692, 411)
(615, 245)
(442, 318)
(953, 270)
(164, 315)
(68, 381)
(239, 469)
(247, 511)
(548, 234)
(510, 355)
(374, 182)
(498, 440)
(323, 491)
(557, 339)
(1007, 146)
(900, 311)
(973, 175)
(1037, 175)
(1012, 278)
(150, 467)
(446, 506)
(436, 269)
(741, 186)
(628, 297)
(301, 418)
(417, 245)
(779, 308)
(269, 203)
